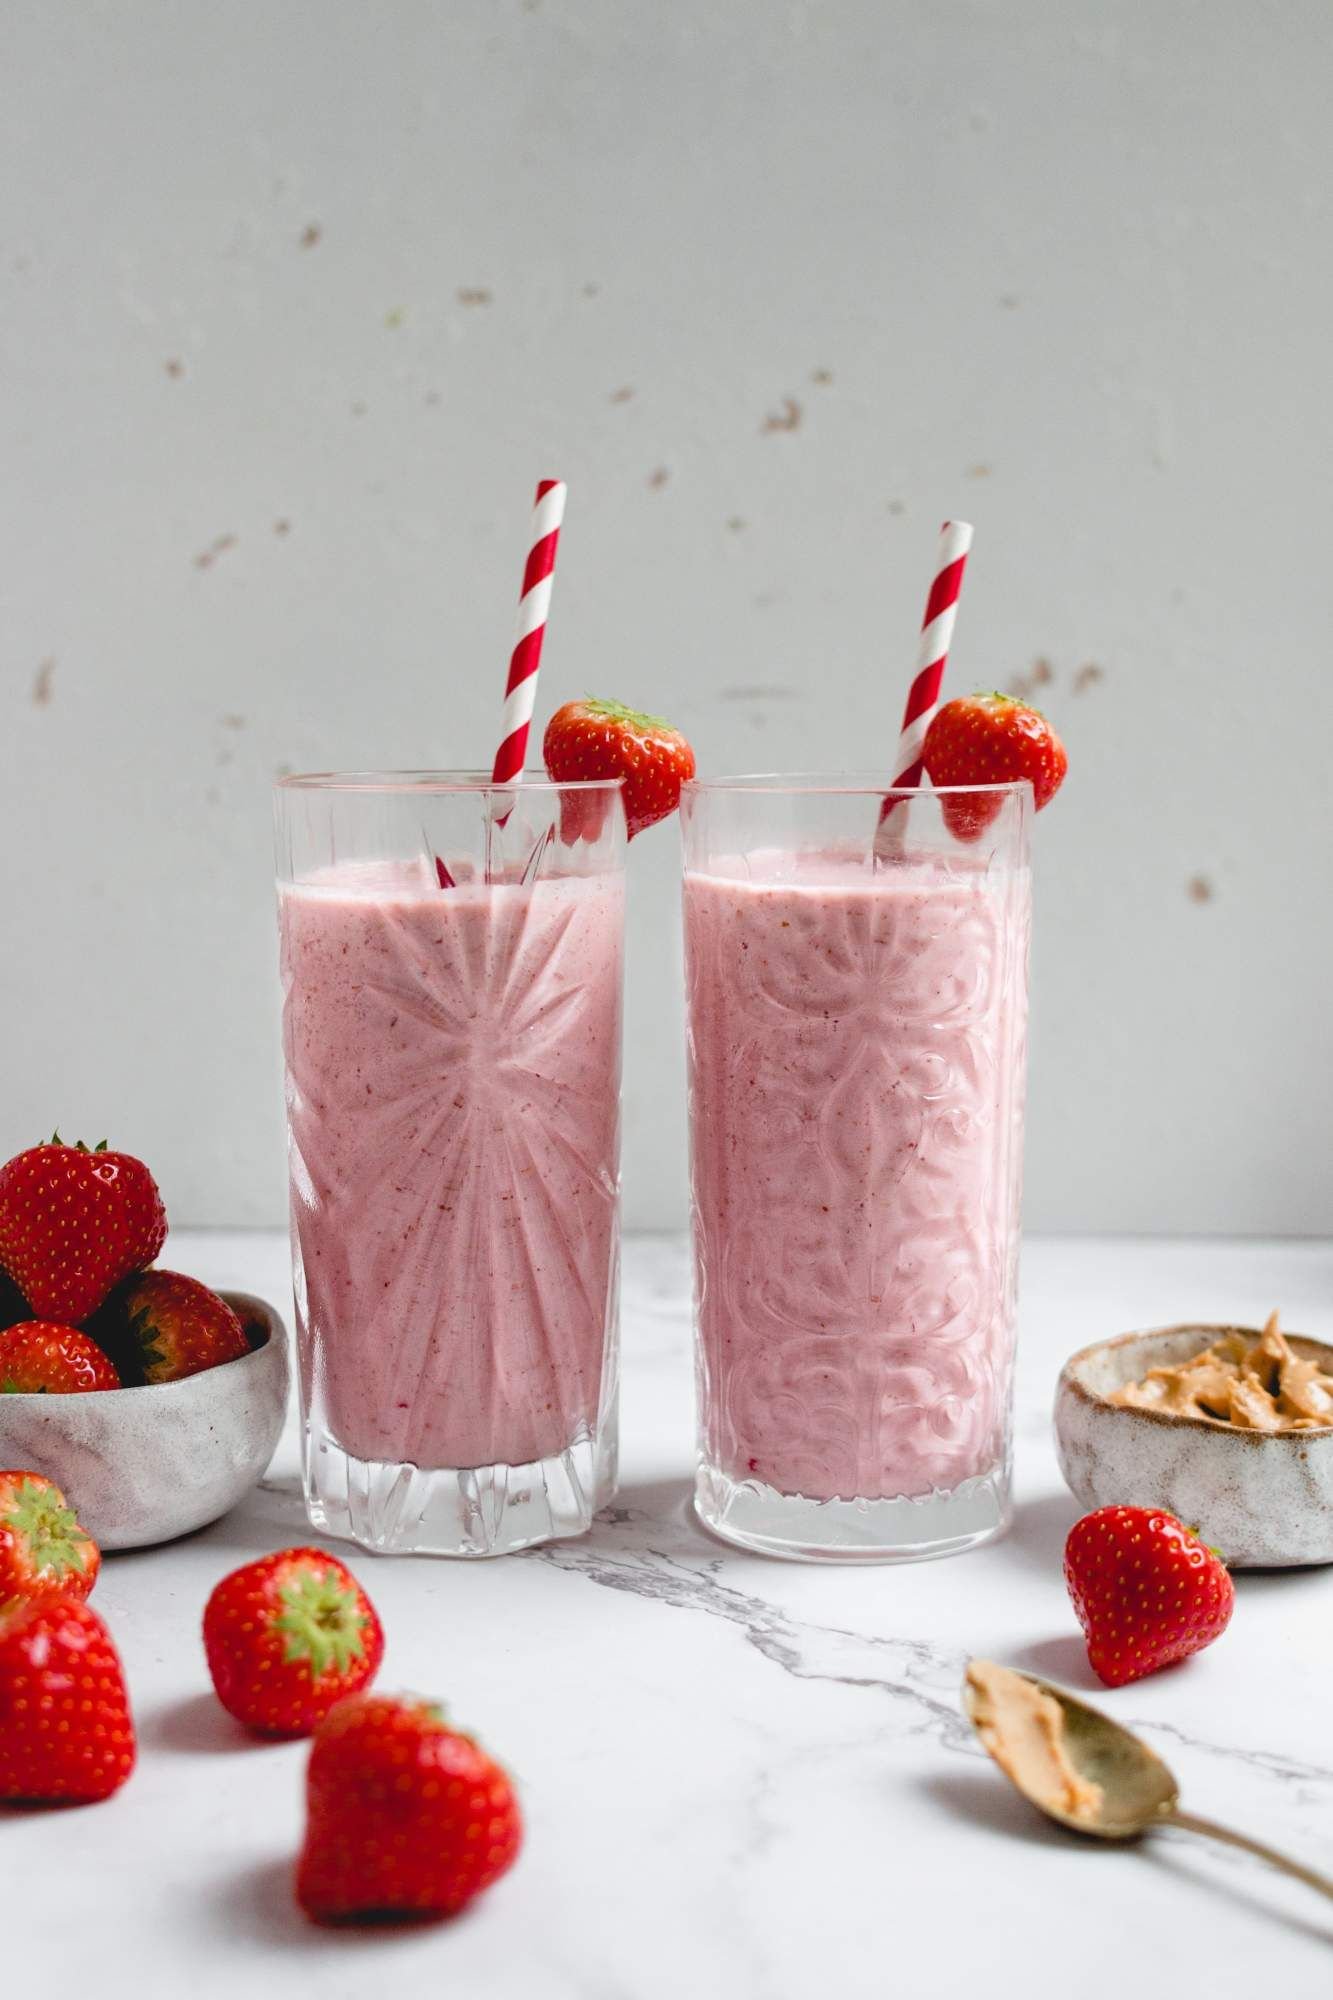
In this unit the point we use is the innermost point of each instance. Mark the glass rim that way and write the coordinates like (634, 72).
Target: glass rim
(836, 784)
(460, 783)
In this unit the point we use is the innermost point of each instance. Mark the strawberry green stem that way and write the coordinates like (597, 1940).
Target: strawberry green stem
(321, 1621)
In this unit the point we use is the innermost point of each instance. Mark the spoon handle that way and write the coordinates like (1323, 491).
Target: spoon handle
(1193, 1824)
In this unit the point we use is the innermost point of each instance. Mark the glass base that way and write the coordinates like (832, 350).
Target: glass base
(759, 1518)
(485, 1510)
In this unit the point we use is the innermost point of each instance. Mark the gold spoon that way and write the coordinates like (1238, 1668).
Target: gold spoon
(1134, 1790)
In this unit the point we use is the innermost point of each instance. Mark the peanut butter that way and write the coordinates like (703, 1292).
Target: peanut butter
(1259, 1386)
(1023, 1728)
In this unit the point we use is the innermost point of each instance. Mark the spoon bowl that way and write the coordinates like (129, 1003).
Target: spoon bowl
(1137, 1790)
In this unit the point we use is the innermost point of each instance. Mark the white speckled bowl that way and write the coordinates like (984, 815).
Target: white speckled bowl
(1264, 1498)
(145, 1465)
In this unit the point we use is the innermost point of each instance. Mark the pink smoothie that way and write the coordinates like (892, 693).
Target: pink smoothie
(453, 1076)
(856, 1069)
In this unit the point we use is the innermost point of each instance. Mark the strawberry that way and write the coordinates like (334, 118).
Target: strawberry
(74, 1223)
(43, 1550)
(65, 1727)
(405, 1817)
(162, 1326)
(1147, 1591)
(287, 1637)
(39, 1358)
(604, 739)
(991, 739)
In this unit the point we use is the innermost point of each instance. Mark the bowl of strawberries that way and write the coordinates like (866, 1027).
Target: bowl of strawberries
(153, 1402)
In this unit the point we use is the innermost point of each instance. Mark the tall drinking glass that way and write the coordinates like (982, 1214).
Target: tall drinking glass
(451, 971)
(857, 1033)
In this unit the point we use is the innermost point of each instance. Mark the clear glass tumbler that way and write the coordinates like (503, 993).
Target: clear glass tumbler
(857, 1007)
(451, 970)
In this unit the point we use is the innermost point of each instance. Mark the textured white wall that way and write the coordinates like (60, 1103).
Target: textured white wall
(297, 301)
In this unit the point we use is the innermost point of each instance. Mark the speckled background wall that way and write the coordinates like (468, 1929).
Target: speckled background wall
(298, 299)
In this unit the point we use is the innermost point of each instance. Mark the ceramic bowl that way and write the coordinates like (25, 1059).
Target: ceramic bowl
(1264, 1498)
(145, 1465)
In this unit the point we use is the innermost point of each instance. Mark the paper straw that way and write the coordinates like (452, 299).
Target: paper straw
(533, 608)
(923, 696)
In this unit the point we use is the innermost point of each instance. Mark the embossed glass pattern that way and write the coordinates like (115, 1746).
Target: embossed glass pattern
(452, 1069)
(856, 1060)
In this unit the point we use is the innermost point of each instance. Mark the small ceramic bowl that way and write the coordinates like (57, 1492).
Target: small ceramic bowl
(1264, 1498)
(145, 1465)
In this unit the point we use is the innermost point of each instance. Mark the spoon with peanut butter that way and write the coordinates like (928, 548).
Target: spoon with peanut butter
(1082, 1769)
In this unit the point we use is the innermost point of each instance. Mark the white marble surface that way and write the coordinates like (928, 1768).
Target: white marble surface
(741, 1779)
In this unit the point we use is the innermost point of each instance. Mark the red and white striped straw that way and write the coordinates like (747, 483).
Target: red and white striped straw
(533, 608)
(923, 697)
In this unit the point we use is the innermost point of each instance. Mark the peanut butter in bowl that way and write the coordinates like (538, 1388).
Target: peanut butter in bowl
(1251, 1385)
(1224, 1426)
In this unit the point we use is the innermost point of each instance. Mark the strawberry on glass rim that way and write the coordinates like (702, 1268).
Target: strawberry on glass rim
(604, 739)
(991, 739)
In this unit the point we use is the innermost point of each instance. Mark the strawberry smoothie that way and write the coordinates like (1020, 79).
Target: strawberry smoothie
(453, 1073)
(856, 1083)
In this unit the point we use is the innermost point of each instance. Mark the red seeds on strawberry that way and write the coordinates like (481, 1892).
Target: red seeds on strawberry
(74, 1223)
(1147, 1591)
(604, 739)
(289, 1636)
(405, 1817)
(991, 739)
(65, 1728)
(163, 1326)
(43, 1550)
(39, 1358)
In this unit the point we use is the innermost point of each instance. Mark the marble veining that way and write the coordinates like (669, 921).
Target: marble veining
(921, 1678)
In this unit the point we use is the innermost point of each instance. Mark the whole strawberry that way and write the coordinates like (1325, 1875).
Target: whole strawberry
(162, 1326)
(287, 1637)
(1147, 1591)
(991, 739)
(74, 1223)
(405, 1817)
(65, 1728)
(39, 1358)
(43, 1550)
(604, 739)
